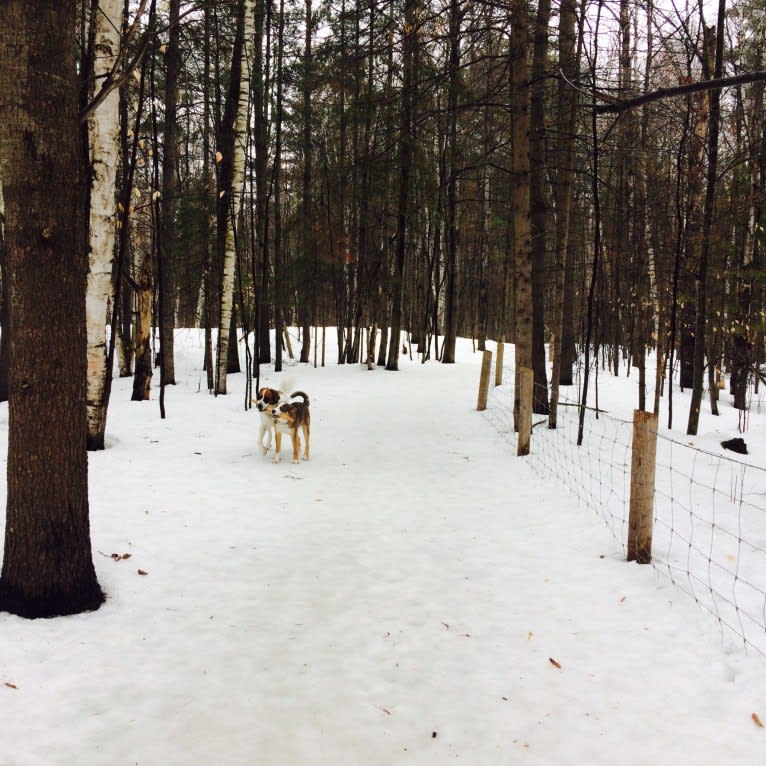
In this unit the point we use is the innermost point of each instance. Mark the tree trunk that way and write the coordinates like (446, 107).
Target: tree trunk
(5, 334)
(700, 324)
(170, 194)
(409, 42)
(261, 250)
(520, 190)
(566, 121)
(142, 334)
(450, 296)
(307, 207)
(233, 191)
(538, 206)
(278, 290)
(104, 137)
(47, 564)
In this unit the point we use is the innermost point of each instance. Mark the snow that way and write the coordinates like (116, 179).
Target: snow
(414, 595)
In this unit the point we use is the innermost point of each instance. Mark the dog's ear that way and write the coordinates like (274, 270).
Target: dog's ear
(259, 393)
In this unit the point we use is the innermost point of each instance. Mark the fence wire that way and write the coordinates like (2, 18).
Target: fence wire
(709, 535)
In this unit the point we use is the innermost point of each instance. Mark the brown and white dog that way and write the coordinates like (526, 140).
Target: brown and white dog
(268, 400)
(289, 418)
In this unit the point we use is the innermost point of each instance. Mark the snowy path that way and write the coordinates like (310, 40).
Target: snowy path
(397, 600)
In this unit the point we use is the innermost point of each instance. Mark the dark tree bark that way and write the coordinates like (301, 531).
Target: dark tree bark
(5, 334)
(261, 250)
(47, 565)
(539, 205)
(167, 284)
(566, 121)
(520, 189)
(700, 324)
(307, 209)
(405, 162)
(277, 178)
(450, 309)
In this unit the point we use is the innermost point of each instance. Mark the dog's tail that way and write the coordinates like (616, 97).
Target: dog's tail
(302, 394)
(286, 383)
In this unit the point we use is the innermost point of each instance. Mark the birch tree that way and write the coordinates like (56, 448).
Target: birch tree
(104, 139)
(233, 198)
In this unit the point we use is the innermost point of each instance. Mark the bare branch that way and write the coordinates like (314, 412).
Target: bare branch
(618, 107)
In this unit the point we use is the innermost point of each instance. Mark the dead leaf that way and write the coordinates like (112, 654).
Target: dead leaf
(13, 686)
(554, 663)
(757, 720)
(623, 599)
(141, 572)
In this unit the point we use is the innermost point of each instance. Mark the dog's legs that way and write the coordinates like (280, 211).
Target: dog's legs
(306, 442)
(277, 446)
(264, 439)
(296, 445)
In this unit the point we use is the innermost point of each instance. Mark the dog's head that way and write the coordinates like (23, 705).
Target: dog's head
(283, 413)
(268, 399)
(291, 414)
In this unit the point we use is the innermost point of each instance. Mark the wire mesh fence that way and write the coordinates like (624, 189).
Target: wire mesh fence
(709, 531)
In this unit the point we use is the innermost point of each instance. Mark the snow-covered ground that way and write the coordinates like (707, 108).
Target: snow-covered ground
(415, 595)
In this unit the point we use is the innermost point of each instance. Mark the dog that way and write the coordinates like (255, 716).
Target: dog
(289, 418)
(268, 400)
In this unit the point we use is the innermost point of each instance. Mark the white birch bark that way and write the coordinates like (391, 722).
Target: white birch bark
(104, 138)
(237, 179)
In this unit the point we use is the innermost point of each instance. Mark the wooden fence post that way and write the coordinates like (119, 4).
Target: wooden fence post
(642, 469)
(499, 364)
(526, 380)
(486, 365)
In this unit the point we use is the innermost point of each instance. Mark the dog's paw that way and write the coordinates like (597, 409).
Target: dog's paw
(276, 460)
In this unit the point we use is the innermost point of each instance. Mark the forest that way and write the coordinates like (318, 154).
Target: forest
(584, 177)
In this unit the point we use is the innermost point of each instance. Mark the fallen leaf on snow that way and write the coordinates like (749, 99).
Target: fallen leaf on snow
(757, 720)
(13, 686)
(554, 663)
(142, 572)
